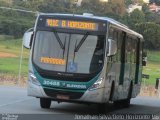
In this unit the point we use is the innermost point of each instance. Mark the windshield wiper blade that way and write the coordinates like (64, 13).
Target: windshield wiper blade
(59, 40)
(81, 42)
(74, 51)
(64, 46)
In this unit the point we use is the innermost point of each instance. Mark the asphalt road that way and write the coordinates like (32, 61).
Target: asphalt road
(16, 105)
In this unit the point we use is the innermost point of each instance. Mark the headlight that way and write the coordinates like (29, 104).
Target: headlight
(97, 84)
(33, 79)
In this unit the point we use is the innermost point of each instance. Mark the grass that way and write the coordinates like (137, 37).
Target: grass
(153, 67)
(154, 57)
(10, 65)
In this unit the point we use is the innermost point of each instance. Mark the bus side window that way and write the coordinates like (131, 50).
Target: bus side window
(138, 51)
(115, 37)
(134, 50)
(113, 34)
(141, 52)
(120, 40)
(110, 36)
(128, 49)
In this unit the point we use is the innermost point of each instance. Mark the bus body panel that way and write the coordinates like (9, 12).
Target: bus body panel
(110, 73)
(93, 96)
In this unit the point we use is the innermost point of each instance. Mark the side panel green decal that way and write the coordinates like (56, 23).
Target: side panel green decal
(137, 74)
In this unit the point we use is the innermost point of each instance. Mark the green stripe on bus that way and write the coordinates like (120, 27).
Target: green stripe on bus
(87, 84)
(137, 74)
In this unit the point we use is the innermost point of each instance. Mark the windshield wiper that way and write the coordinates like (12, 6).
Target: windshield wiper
(59, 40)
(81, 42)
(64, 46)
(74, 51)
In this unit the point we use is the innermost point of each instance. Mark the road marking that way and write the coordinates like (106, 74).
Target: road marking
(17, 101)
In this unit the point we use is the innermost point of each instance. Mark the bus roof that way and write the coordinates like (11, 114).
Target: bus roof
(104, 19)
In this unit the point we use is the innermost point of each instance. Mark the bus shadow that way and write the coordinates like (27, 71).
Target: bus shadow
(70, 108)
(80, 109)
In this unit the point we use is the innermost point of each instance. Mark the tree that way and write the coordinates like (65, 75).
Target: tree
(136, 17)
(155, 1)
(7, 3)
(139, 2)
(118, 7)
(114, 8)
(145, 8)
(93, 6)
(128, 2)
(57, 6)
(152, 17)
(151, 33)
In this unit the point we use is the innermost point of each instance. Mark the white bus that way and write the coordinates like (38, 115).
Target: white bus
(83, 59)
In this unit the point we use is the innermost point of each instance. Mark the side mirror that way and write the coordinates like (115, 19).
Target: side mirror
(27, 38)
(144, 58)
(112, 50)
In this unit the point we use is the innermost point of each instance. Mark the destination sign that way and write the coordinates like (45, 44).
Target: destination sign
(55, 61)
(71, 24)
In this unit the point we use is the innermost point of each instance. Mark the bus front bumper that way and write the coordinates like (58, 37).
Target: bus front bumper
(94, 96)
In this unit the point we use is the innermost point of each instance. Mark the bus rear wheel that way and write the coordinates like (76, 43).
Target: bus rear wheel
(45, 103)
(122, 103)
(125, 102)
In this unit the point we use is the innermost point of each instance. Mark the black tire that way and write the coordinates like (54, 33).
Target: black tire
(126, 102)
(112, 92)
(122, 103)
(117, 104)
(45, 103)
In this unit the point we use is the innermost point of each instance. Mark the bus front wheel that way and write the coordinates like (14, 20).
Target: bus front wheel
(45, 103)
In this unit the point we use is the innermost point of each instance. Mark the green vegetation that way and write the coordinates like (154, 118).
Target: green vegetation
(10, 51)
(154, 57)
(153, 67)
(10, 66)
(145, 22)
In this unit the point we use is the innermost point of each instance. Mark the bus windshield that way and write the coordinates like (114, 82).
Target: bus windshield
(67, 52)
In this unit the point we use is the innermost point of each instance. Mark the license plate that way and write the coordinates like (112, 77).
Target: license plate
(64, 97)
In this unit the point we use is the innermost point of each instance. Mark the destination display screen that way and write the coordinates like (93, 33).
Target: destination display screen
(72, 24)
(55, 61)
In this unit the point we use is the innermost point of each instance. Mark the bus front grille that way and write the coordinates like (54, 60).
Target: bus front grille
(71, 95)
